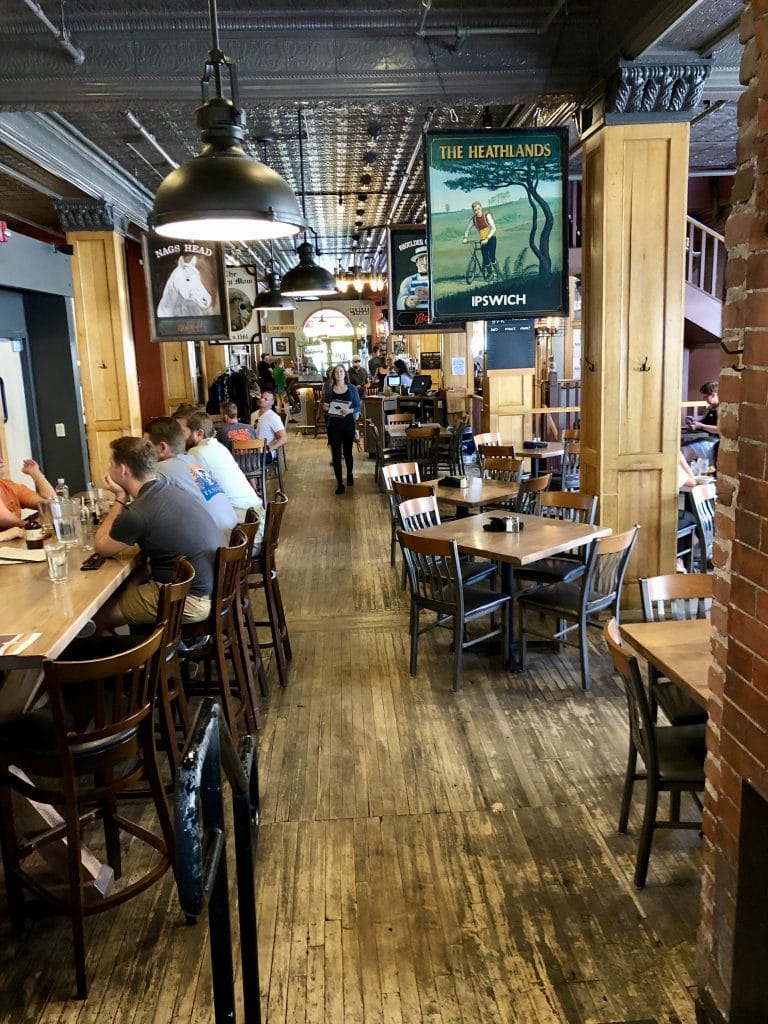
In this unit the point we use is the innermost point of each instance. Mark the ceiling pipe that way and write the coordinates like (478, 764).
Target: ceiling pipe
(463, 32)
(60, 35)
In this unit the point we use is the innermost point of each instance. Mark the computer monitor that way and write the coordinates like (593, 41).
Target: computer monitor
(421, 384)
(393, 380)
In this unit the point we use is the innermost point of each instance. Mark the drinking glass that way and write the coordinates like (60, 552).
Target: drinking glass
(58, 565)
(66, 523)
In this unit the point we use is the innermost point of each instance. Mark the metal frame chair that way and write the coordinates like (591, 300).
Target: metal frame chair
(436, 585)
(703, 505)
(571, 506)
(531, 488)
(402, 472)
(673, 757)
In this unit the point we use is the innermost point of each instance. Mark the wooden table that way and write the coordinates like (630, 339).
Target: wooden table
(679, 649)
(31, 603)
(477, 493)
(539, 538)
(398, 431)
(552, 450)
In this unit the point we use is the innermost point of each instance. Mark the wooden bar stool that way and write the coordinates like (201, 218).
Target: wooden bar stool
(264, 577)
(94, 741)
(249, 640)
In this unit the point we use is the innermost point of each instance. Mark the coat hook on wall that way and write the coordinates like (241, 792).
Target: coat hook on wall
(102, 365)
(738, 366)
(645, 368)
(589, 364)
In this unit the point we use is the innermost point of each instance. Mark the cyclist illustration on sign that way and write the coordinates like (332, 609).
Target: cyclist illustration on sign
(414, 289)
(484, 248)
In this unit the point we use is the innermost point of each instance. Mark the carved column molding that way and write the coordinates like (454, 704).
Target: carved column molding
(638, 93)
(89, 215)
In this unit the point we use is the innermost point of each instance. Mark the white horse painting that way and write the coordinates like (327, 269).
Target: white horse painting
(184, 293)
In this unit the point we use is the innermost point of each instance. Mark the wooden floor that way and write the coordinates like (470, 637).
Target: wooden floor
(423, 855)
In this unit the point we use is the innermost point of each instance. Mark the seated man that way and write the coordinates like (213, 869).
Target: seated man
(165, 523)
(232, 429)
(269, 426)
(185, 471)
(14, 497)
(220, 463)
(708, 422)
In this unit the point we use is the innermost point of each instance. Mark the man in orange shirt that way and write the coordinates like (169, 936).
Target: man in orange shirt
(14, 497)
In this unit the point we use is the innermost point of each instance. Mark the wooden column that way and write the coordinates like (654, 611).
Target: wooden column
(635, 182)
(104, 337)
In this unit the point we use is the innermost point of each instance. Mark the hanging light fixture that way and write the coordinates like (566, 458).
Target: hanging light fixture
(223, 194)
(307, 278)
(272, 297)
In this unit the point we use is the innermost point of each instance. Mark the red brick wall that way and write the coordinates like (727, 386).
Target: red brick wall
(738, 733)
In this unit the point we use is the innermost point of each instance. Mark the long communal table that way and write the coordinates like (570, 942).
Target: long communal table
(31, 603)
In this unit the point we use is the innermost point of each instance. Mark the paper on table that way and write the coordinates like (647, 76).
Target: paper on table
(18, 641)
(21, 555)
(12, 533)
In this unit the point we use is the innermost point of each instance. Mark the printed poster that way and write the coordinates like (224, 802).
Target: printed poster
(186, 286)
(409, 284)
(497, 223)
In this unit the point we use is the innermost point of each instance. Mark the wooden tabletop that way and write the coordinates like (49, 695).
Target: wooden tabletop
(539, 537)
(680, 650)
(477, 492)
(551, 451)
(398, 430)
(31, 603)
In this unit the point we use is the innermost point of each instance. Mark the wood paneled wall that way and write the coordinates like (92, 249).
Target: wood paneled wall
(104, 342)
(635, 179)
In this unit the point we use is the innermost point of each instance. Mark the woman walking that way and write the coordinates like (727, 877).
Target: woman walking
(342, 407)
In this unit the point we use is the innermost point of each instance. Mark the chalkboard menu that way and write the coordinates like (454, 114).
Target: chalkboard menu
(509, 344)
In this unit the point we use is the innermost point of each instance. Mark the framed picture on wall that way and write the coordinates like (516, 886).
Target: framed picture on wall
(186, 288)
(277, 345)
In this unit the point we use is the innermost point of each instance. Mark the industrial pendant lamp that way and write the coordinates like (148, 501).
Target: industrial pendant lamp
(272, 298)
(223, 194)
(307, 278)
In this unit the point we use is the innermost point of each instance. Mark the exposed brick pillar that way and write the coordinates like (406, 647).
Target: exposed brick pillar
(737, 767)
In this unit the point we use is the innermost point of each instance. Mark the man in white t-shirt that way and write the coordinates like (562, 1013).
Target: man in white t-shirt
(269, 426)
(198, 436)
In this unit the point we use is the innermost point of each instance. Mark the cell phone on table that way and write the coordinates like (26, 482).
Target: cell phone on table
(93, 561)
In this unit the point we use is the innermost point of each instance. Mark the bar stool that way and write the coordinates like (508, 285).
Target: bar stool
(249, 640)
(94, 741)
(265, 578)
(249, 455)
(175, 719)
(217, 639)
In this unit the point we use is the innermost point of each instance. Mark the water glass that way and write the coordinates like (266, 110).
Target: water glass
(58, 564)
(67, 522)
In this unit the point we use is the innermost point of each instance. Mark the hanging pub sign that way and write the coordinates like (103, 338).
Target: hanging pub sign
(409, 285)
(241, 294)
(187, 289)
(496, 214)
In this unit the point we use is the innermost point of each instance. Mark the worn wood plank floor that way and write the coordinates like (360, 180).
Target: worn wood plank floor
(423, 855)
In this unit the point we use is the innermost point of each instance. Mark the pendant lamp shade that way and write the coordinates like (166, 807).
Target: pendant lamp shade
(272, 297)
(307, 278)
(223, 194)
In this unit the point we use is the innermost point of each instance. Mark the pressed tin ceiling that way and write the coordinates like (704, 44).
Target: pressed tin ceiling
(107, 114)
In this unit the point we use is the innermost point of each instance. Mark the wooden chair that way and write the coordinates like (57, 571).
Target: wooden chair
(216, 640)
(493, 437)
(673, 757)
(420, 511)
(450, 453)
(675, 596)
(246, 623)
(94, 741)
(249, 455)
(566, 506)
(383, 455)
(400, 472)
(436, 585)
(531, 489)
(703, 505)
(505, 468)
(597, 590)
(571, 434)
(421, 445)
(174, 716)
(266, 578)
(571, 468)
(398, 419)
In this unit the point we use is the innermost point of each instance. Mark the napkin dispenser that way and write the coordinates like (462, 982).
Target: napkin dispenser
(453, 481)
